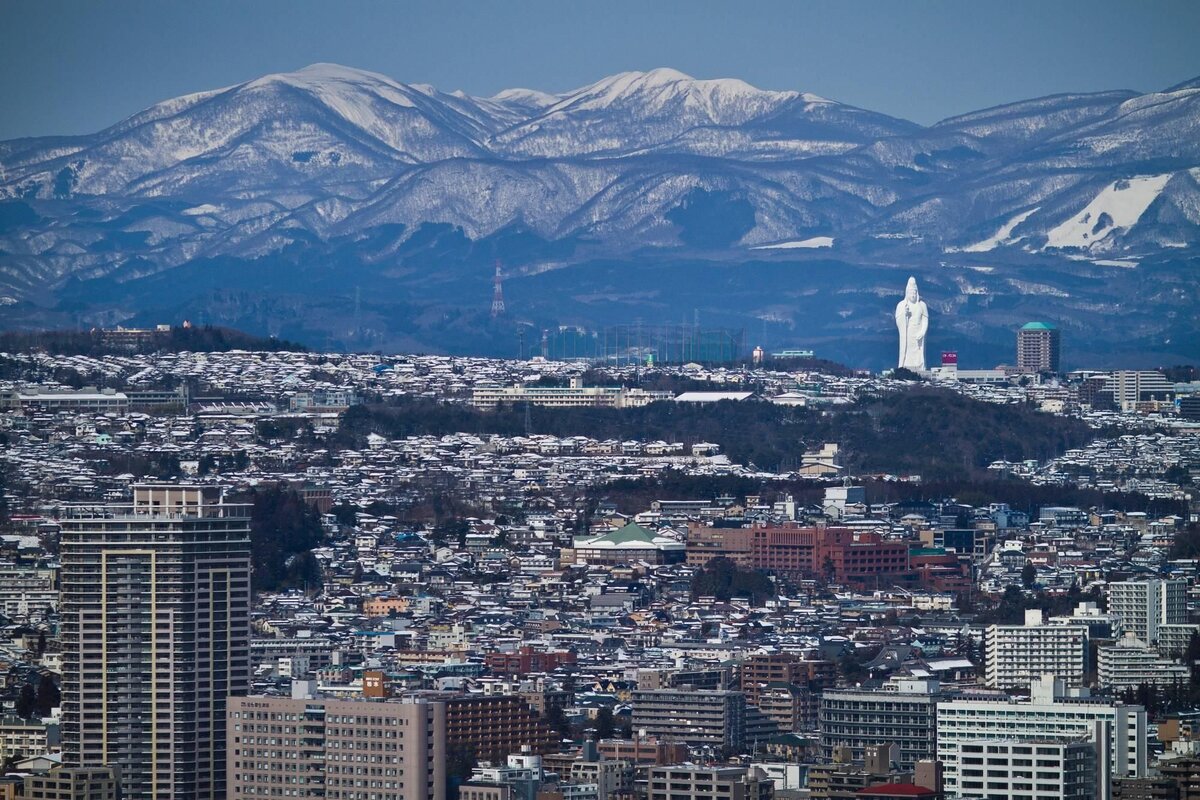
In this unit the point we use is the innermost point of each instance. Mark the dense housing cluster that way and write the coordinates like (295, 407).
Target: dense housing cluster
(277, 574)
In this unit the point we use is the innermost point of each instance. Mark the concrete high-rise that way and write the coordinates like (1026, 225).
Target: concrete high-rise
(1017, 769)
(700, 718)
(155, 637)
(1052, 712)
(1128, 388)
(1017, 654)
(903, 713)
(1146, 606)
(1038, 347)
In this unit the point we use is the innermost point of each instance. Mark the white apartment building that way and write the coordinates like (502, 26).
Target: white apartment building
(1130, 662)
(1130, 387)
(574, 396)
(1145, 606)
(1173, 640)
(903, 713)
(1017, 654)
(1052, 712)
(1012, 769)
(1099, 624)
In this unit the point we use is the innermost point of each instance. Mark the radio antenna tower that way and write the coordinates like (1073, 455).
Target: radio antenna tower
(498, 294)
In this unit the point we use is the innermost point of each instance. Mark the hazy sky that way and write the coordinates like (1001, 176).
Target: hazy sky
(75, 67)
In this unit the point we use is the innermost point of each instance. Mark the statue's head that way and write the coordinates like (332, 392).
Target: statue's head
(910, 292)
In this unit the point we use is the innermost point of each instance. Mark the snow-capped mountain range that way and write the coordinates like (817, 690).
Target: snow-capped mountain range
(640, 162)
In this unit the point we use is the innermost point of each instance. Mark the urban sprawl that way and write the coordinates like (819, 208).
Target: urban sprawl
(285, 574)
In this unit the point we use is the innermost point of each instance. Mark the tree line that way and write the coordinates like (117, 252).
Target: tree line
(194, 338)
(932, 432)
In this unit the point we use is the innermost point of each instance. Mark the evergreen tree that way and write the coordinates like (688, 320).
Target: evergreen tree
(282, 525)
(304, 572)
(1028, 575)
(604, 724)
(557, 720)
(723, 579)
(26, 701)
(47, 696)
(460, 761)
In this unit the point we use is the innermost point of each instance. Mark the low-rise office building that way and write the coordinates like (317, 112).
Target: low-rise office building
(575, 395)
(690, 782)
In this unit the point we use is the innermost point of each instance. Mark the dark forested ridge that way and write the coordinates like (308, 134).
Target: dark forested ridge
(195, 338)
(935, 433)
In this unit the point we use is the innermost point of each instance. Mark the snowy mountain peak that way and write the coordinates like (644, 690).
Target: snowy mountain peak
(333, 151)
(321, 74)
(335, 85)
(527, 98)
(662, 86)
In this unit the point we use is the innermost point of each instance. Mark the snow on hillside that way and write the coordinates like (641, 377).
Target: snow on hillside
(327, 154)
(1120, 205)
(723, 100)
(1002, 236)
(804, 244)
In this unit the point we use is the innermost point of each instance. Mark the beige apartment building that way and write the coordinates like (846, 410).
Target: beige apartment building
(337, 749)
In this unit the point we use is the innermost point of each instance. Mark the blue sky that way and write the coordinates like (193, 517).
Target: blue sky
(75, 67)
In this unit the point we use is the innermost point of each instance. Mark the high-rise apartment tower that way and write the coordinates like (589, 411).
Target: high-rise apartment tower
(155, 637)
(1038, 347)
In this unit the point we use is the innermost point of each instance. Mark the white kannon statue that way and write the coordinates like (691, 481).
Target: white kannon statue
(912, 320)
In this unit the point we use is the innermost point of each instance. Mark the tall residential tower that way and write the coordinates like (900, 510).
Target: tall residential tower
(1038, 347)
(155, 637)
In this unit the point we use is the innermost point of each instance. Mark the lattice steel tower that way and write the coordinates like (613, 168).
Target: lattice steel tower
(497, 294)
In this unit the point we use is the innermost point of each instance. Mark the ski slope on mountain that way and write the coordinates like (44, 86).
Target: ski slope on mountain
(1119, 205)
(1002, 236)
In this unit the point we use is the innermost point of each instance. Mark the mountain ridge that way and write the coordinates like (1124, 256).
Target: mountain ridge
(645, 167)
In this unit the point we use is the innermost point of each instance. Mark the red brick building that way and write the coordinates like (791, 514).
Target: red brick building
(644, 751)
(941, 571)
(760, 671)
(840, 554)
(861, 557)
(493, 726)
(526, 660)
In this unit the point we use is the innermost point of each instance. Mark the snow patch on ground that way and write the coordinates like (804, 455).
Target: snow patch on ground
(195, 211)
(1031, 288)
(803, 244)
(1002, 236)
(1119, 205)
